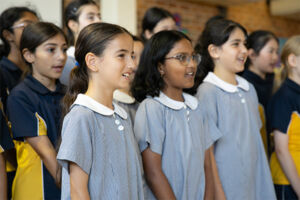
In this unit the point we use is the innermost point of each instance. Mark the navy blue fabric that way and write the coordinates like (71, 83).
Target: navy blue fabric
(284, 102)
(11, 73)
(263, 87)
(27, 99)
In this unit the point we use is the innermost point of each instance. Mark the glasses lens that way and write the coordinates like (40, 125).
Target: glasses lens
(196, 58)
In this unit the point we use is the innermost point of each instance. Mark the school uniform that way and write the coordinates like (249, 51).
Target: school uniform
(34, 111)
(101, 142)
(264, 90)
(284, 115)
(176, 131)
(128, 103)
(70, 64)
(11, 73)
(232, 111)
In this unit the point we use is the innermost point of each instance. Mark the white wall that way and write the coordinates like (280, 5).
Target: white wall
(48, 10)
(121, 12)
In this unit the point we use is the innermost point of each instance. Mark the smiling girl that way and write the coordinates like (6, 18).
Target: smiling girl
(34, 111)
(98, 152)
(232, 111)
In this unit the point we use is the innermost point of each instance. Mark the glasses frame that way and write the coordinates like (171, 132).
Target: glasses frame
(189, 58)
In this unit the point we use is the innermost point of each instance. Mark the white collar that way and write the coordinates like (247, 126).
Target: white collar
(213, 79)
(189, 100)
(71, 51)
(123, 97)
(90, 103)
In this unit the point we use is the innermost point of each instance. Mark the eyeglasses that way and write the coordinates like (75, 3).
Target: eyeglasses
(21, 25)
(185, 59)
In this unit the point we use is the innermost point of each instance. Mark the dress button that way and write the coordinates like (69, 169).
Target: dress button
(117, 121)
(121, 128)
(187, 112)
(188, 119)
(243, 100)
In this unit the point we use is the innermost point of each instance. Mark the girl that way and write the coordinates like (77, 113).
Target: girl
(155, 20)
(263, 49)
(232, 110)
(34, 111)
(12, 23)
(283, 112)
(78, 14)
(123, 97)
(169, 126)
(98, 152)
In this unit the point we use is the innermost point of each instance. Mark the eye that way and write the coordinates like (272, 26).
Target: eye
(51, 50)
(121, 55)
(182, 57)
(65, 49)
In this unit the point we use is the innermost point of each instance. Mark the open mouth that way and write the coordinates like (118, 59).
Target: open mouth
(58, 68)
(126, 75)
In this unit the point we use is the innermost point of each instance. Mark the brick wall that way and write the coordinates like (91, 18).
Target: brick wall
(194, 15)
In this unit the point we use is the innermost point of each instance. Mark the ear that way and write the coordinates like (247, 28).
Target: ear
(73, 25)
(148, 34)
(214, 51)
(161, 69)
(28, 56)
(8, 35)
(251, 53)
(91, 61)
(292, 61)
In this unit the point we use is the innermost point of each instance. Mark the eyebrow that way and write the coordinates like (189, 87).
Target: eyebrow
(53, 44)
(236, 40)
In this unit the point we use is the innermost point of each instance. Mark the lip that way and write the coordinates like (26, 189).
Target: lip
(127, 75)
(190, 74)
(58, 68)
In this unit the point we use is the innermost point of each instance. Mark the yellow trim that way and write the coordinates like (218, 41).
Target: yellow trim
(263, 130)
(1, 149)
(293, 132)
(42, 127)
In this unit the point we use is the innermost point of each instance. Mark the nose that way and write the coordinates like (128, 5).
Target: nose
(62, 55)
(131, 64)
(244, 49)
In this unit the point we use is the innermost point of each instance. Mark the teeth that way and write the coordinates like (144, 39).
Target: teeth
(125, 75)
(190, 73)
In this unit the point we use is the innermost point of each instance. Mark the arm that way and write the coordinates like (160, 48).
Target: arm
(286, 161)
(3, 178)
(78, 182)
(209, 179)
(219, 192)
(155, 177)
(44, 148)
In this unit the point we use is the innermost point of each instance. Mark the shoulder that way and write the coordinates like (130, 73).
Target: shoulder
(207, 92)
(151, 103)
(21, 92)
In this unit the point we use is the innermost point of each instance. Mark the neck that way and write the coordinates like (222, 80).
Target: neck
(225, 75)
(16, 57)
(47, 82)
(294, 77)
(101, 94)
(257, 72)
(173, 93)
(126, 91)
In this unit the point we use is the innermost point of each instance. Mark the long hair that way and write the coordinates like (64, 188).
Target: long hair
(7, 20)
(148, 80)
(92, 39)
(217, 32)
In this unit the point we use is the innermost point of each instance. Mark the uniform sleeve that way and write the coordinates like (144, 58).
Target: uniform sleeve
(207, 99)
(5, 139)
(149, 126)
(279, 114)
(25, 121)
(76, 145)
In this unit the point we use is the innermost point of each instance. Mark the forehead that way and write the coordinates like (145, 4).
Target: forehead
(166, 22)
(272, 43)
(182, 46)
(237, 34)
(89, 8)
(58, 39)
(28, 16)
(121, 41)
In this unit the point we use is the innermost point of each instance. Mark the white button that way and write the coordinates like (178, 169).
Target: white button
(184, 106)
(243, 100)
(188, 112)
(188, 119)
(121, 128)
(117, 121)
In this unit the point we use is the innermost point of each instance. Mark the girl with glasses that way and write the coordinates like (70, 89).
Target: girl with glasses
(169, 124)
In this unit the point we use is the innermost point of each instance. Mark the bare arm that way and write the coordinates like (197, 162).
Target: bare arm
(78, 183)
(209, 179)
(155, 177)
(44, 148)
(3, 178)
(286, 161)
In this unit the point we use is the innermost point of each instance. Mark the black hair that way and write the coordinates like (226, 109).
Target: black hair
(257, 40)
(148, 80)
(7, 20)
(137, 39)
(37, 33)
(94, 38)
(71, 13)
(152, 17)
(217, 32)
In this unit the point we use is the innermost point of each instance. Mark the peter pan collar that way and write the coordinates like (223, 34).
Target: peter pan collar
(189, 101)
(90, 103)
(123, 97)
(213, 79)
